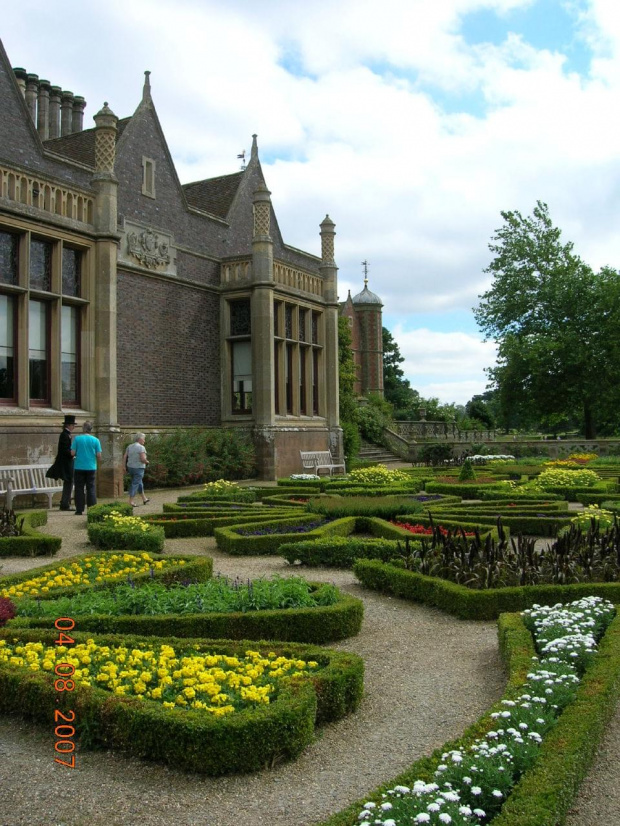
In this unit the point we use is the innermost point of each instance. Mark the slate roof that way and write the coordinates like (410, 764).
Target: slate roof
(366, 297)
(80, 146)
(215, 195)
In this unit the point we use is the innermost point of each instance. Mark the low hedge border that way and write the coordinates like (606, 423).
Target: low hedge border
(31, 542)
(188, 739)
(575, 494)
(195, 569)
(320, 625)
(545, 793)
(467, 603)
(97, 513)
(196, 524)
(230, 541)
(338, 552)
(598, 498)
(377, 490)
(511, 496)
(108, 537)
(465, 491)
(503, 505)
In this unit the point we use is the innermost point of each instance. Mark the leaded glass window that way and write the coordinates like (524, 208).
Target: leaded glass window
(71, 271)
(9, 248)
(240, 318)
(40, 265)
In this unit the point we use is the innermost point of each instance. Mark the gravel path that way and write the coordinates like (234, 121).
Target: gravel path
(427, 677)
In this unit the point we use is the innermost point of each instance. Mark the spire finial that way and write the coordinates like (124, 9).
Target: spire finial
(146, 90)
(365, 266)
(254, 153)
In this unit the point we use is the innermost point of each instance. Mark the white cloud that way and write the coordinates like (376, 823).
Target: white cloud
(375, 111)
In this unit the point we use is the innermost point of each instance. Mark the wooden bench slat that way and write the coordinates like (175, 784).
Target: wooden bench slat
(22, 479)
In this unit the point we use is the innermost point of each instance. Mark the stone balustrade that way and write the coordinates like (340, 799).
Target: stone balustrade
(40, 194)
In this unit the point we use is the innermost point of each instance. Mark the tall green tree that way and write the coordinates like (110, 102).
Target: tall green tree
(396, 388)
(557, 325)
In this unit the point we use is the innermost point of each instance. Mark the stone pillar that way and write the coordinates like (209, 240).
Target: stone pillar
(110, 473)
(66, 113)
(263, 403)
(55, 96)
(32, 93)
(77, 117)
(43, 113)
(21, 75)
(329, 273)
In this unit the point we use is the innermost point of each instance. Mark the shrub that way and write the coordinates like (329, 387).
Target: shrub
(338, 551)
(378, 475)
(435, 454)
(581, 478)
(30, 542)
(467, 471)
(127, 533)
(385, 507)
(188, 456)
(97, 513)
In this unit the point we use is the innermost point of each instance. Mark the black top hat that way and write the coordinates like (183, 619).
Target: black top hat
(69, 419)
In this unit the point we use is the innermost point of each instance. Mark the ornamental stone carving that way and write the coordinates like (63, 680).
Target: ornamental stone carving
(150, 250)
(144, 247)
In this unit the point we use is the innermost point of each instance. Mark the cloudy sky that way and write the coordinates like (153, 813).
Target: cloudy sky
(413, 123)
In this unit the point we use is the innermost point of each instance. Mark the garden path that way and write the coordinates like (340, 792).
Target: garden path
(427, 677)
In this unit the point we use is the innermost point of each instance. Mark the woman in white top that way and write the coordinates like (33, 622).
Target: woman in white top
(135, 462)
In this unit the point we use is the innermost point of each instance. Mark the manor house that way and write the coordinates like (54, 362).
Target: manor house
(142, 303)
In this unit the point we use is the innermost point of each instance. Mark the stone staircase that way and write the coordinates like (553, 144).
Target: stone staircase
(376, 453)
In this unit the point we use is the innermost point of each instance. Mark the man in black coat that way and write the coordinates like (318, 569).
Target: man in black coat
(63, 463)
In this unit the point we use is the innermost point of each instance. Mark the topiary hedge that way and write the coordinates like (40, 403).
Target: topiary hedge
(319, 625)
(97, 513)
(189, 739)
(117, 535)
(338, 551)
(466, 603)
(30, 542)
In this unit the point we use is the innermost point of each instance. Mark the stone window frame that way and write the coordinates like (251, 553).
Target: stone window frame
(22, 293)
(149, 167)
(231, 341)
(298, 361)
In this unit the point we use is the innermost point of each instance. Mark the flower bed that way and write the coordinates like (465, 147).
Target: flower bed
(30, 542)
(283, 609)
(469, 782)
(338, 551)
(195, 730)
(425, 530)
(128, 533)
(77, 573)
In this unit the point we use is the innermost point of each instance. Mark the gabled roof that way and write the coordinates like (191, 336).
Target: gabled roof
(80, 146)
(214, 195)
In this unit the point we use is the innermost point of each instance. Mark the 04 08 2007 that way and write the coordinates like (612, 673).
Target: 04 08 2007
(63, 730)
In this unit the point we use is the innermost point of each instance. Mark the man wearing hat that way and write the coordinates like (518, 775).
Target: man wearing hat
(63, 463)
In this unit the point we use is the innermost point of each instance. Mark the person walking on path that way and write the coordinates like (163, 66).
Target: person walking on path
(135, 463)
(63, 463)
(86, 450)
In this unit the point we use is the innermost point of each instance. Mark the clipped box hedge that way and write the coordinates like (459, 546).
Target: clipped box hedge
(106, 536)
(231, 541)
(97, 513)
(31, 542)
(338, 551)
(177, 525)
(527, 522)
(193, 569)
(190, 739)
(510, 496)
(546, 792)
(470, 604)
(319, 625)
(454, 524)
(465, 490)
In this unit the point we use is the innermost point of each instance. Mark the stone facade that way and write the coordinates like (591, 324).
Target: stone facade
(137, 302)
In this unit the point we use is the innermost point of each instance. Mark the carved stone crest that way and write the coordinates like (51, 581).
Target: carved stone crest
(149, 249)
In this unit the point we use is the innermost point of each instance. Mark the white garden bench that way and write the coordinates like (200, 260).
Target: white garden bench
(20, 479)
(316, 460)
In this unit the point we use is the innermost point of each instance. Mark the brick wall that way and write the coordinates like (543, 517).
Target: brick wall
(168, 353)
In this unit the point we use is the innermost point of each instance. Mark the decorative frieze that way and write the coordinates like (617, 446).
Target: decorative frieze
(298, 279)
(147, 248)
(35, 192)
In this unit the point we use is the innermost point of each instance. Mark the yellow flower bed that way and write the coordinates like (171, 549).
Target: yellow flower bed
(89, 570)
(221, 486)
(216, 683)
(378, 475)
(131, 523)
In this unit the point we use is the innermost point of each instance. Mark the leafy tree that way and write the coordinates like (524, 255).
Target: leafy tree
(478, 411)
(557, 325)
(396, 388)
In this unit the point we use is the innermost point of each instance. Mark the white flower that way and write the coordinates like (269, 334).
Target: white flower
(422, 818)
(476, 790)
(497, 793)
(445, 818)
(386, 807)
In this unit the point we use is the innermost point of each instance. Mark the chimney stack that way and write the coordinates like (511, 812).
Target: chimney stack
(43, 110)
(32, 93)
(55, 95)
(55, 112)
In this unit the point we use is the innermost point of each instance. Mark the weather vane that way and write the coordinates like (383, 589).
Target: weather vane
(365, 266)
(242, 157)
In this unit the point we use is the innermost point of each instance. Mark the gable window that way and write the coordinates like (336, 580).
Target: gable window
(148, 177)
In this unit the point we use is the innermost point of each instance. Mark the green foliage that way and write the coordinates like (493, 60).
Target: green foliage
(97, 513)
(30, 542)
(188, 456)
(556, 324)
(338, 551)
(105, 535)
(347, 398)
(435, 454)
(466, 473)
(384, 507)
(373, 417)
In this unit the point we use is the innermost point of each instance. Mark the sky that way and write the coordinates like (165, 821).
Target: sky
(413, 123)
